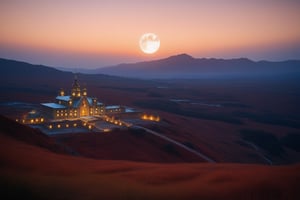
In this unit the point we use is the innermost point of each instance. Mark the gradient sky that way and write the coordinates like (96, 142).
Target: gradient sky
(96, 33)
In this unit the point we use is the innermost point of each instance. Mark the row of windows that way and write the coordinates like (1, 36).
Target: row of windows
(66, 114)
(115, 110)
(35, 120)
(71, 114)
(65, 111)
(51, 126)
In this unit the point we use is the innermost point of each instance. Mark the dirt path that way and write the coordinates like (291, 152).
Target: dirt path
(204, 157)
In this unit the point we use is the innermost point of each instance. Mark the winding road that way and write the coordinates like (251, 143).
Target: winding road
(204, 157)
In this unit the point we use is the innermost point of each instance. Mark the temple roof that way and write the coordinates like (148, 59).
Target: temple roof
(76, 103)
(53, 105)
(63, 98)
(112, 107)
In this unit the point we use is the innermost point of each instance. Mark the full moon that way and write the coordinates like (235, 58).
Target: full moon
(149, 43)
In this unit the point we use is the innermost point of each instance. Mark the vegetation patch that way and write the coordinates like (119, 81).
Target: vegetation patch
(171, 149)
(292, 141)
(270, 118)
(175, 108)
(264, 140)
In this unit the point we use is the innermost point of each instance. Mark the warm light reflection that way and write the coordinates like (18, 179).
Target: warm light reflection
(197, 27)
(150, 117)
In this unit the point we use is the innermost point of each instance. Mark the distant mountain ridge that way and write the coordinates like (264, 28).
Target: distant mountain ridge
(185, 66)
(178, 66)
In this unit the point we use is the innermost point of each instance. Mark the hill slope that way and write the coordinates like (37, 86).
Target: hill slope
(31, 172)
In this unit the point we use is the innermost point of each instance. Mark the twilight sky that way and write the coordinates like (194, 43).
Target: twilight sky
(96, 33)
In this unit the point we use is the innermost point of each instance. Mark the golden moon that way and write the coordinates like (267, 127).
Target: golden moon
(149, 43)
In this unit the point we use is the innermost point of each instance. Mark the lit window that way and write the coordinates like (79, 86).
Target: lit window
(67, 125)
(50, 126)
(58, 125)
(42, 119)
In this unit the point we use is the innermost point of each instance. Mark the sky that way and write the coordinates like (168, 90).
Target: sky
(97, 33)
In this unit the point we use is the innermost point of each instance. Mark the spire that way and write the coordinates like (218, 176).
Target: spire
(75, 83)
(75, 88)
(61, 92)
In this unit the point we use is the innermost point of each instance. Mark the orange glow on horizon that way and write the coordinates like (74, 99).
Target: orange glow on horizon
(114, 28)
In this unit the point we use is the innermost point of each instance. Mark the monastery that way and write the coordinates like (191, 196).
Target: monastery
(76, 105)
(78, 110)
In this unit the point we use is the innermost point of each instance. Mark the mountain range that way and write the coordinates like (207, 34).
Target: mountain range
(180, 66)
(185, 66)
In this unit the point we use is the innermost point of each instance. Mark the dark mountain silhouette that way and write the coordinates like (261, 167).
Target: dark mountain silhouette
(9, 67)
(178, 66)
(185, 66)
(24, 76)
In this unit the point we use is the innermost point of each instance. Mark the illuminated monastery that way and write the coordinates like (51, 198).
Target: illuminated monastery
(77, 105)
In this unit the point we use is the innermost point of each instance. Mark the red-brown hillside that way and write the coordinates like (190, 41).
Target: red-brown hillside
(126, 145)
(28, 135)
(31, 172)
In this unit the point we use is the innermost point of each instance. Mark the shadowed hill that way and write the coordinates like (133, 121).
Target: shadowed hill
(118, 145)
(9, 128)
(24, 81)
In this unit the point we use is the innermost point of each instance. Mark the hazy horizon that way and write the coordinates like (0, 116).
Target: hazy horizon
(93, 34)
